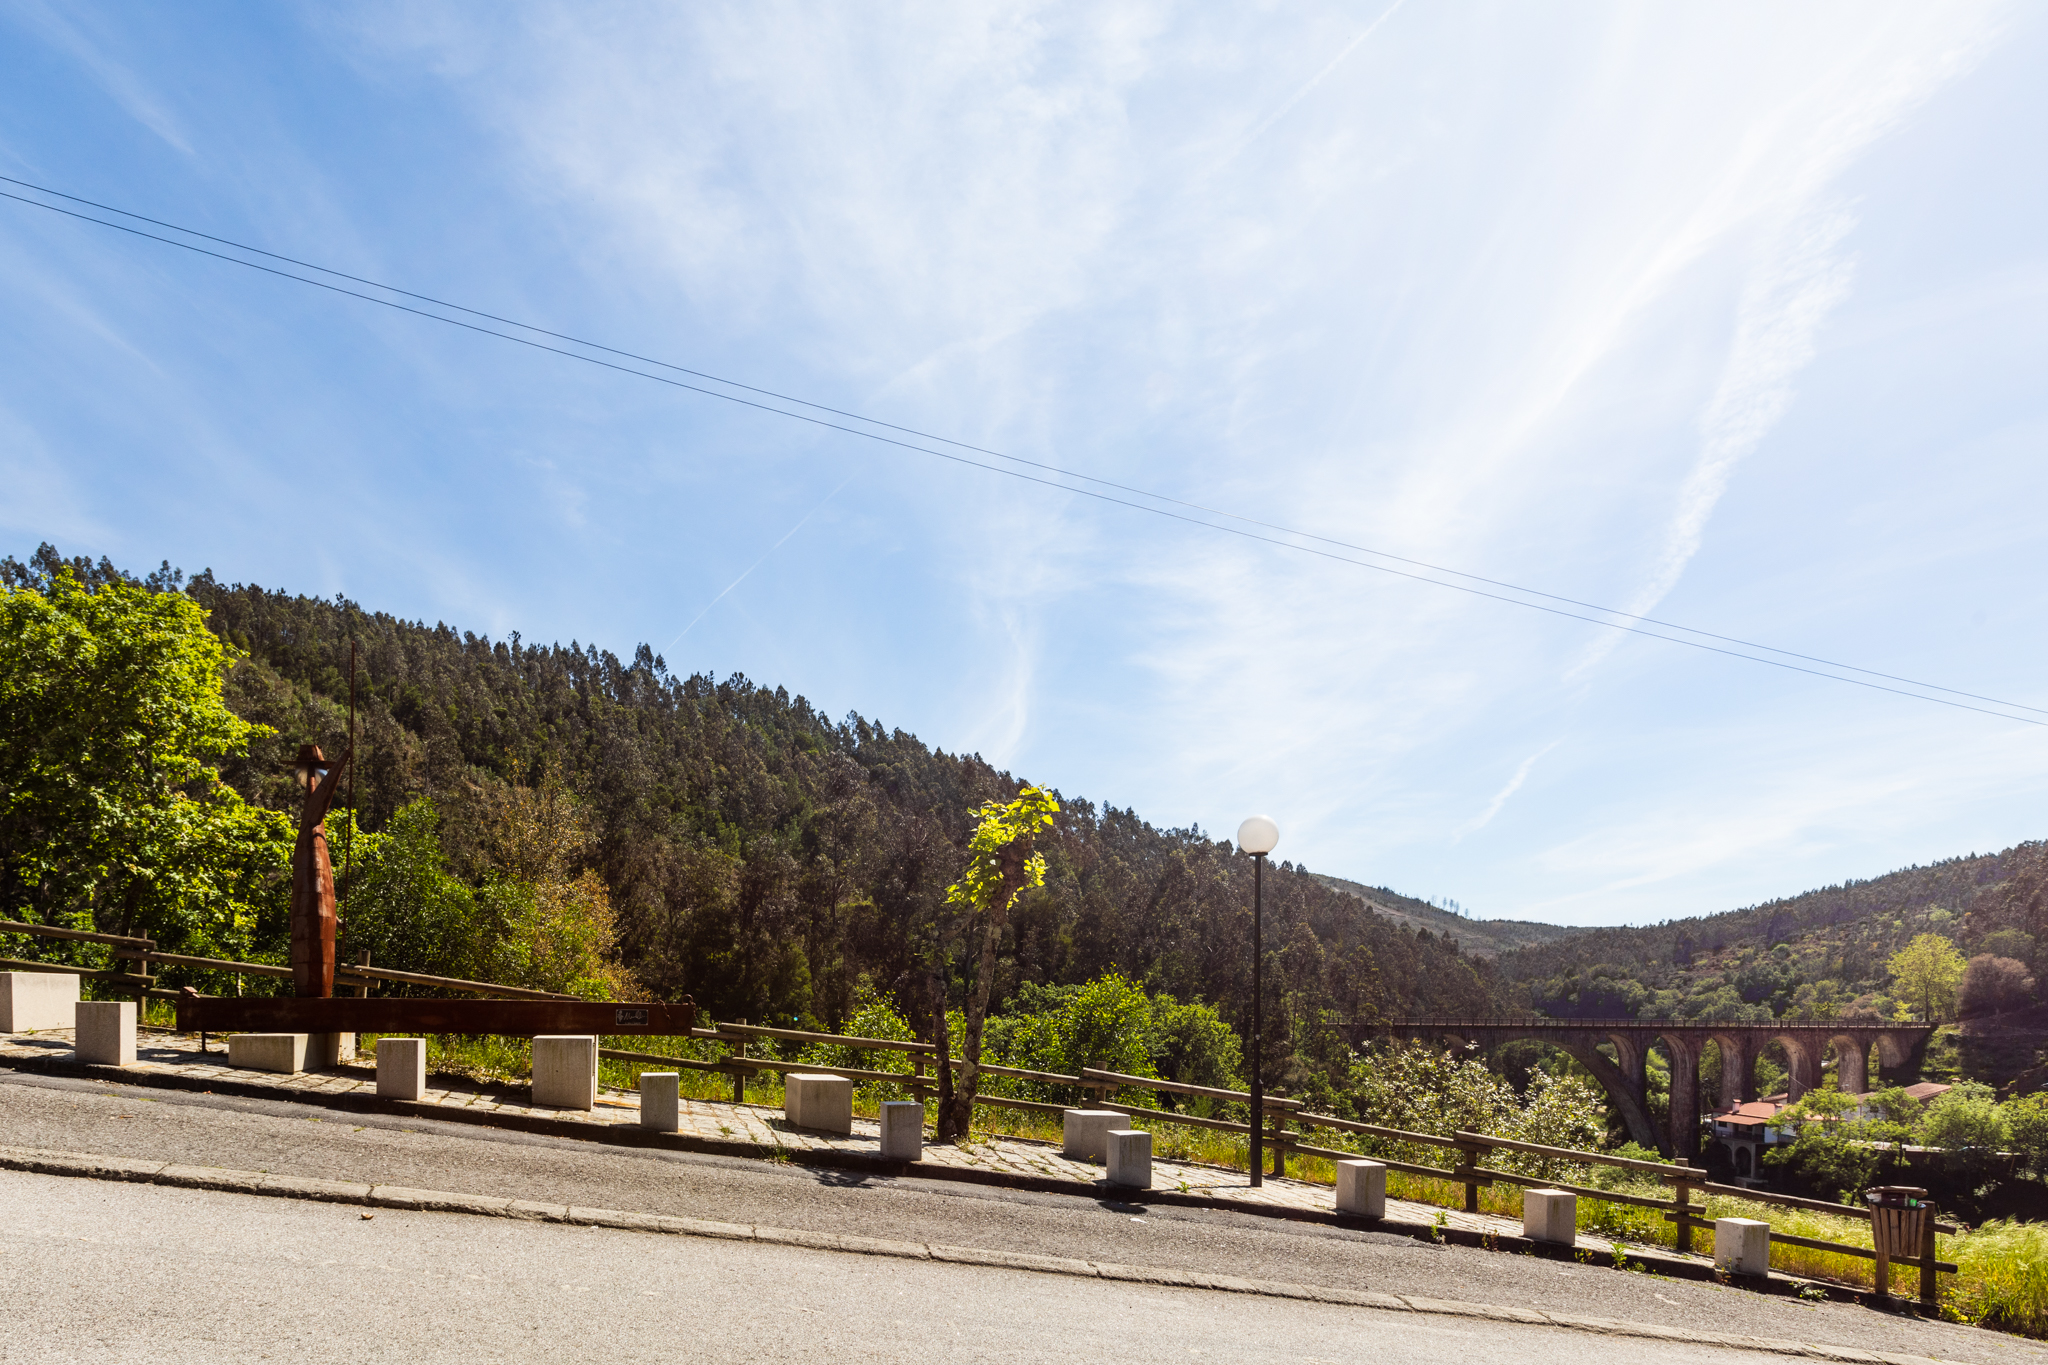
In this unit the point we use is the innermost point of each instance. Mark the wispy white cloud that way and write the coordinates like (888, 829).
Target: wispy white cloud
(1500, 798)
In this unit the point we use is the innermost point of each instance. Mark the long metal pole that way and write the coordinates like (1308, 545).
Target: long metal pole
(1258, 1019)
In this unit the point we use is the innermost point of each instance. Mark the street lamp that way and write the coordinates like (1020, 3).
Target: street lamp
(1257, 836)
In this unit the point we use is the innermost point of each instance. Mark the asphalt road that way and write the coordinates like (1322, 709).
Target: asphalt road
(280, 1137)
(100, 1271)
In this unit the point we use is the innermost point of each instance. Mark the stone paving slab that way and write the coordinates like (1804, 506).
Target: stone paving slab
(178, 1058)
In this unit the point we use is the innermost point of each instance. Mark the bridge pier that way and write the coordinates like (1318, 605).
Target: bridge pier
(1738, 1069)
(1852, 1065)
(1685, 1095)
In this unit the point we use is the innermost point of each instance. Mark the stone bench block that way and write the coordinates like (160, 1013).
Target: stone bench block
(565, 1071)
(902, 1130)
(1362, 1188)
(1742, 1246)
(401, 1068)
(817, 1100)
(325, 1051)
(661, 1100)
(1129, 1157)
(285, 1052)
(1550, 1216)
(106, 1032)
(1084, 1133)
(37, 1000)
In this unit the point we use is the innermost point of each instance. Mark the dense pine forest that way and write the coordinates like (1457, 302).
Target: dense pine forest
(1815, 955)
(766, 860)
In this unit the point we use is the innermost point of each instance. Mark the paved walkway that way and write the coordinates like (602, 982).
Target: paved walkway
(177, 1059)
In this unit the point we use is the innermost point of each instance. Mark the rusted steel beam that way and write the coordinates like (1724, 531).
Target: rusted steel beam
(355, 1014)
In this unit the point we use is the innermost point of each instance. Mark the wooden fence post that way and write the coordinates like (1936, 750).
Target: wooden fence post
(739, 1073)
(1930, 1295)
(1468, 1159)
(1682, 1210)
(1278, 1137)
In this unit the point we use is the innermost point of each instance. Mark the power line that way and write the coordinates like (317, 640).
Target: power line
(1012, 459)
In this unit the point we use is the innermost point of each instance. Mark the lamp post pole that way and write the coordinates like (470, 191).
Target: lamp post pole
(1258, 1019)
(1258, 836)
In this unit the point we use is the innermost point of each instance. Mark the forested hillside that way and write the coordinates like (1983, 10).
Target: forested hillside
(1809, 956)
(759, 856)
(1479, 937)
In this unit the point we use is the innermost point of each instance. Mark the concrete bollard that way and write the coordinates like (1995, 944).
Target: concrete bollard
(37, 1000)
(325, 1051)
(661, 1101)
(565, 1071)
(1362, 1188)
(1550, 1216)
(1742, 1246)
(401, 1068)
(902, 1130)
(1085, 1132)
(105, 1032)
(285, 1052)
(1129, 1157)
(818, 1100)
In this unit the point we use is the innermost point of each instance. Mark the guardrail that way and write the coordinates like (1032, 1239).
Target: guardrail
(1467, 1149)
(143, 952)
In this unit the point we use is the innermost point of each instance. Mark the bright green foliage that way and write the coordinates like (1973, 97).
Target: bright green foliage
(111, 811)
(2026, 1128)
(1112, 1025)
(998, 825)
(402, 905)
(1427, 1090)
(1927, 972)
(1825, 1160)
(1965, 1117)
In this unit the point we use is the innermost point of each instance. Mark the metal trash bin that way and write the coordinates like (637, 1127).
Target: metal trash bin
(1902, 1227)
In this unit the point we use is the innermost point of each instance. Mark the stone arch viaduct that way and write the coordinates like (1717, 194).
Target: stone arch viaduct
(1806, 1044)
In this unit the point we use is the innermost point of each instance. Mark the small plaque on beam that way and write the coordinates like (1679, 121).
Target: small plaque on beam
(631, 1019)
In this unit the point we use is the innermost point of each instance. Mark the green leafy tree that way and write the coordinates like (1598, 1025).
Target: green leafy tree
(1965, 1117)
(1823, 1160)
(112, 813)
(2026, 1129)
(1001, 864)
(1927, 971)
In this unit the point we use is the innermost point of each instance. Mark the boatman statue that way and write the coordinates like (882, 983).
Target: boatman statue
(313, 878)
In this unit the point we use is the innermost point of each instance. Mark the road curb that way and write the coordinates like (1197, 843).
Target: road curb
(85, 1165)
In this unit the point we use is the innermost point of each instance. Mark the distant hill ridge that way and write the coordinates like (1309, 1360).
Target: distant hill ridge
(1479, 937)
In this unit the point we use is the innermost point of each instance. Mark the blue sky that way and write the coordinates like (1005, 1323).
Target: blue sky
(1734, 317)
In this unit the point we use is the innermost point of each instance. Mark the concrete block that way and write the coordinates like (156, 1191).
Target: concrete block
(565, 1071)
(1129, 1157)
(106, 1031)
(325, 1051)
(401, 1068)
(661, 1100)
(1362, 1188)
(1085, 1132)
(37, 1000)
(1550, 1216)
(284, 1052)
(817, 1100)
(902, 1130)
(1742, 1246)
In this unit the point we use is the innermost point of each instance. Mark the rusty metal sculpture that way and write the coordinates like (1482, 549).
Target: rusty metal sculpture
(313, 878)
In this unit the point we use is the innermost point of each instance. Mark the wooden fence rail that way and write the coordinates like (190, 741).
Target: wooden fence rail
(1680, 1210)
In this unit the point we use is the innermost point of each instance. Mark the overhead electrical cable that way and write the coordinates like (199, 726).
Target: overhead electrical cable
(1012, 459)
